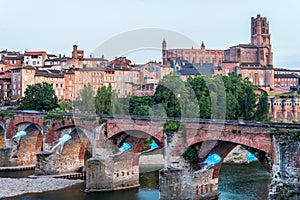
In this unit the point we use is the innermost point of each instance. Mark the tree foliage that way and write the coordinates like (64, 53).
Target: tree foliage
(106, 101)
(85, 103)
(263, 107)
(241, 97)
(219, 97)
(65, 106)
(40, 97)
(171, 126)
(190, 154)
(140, 106)
(177, 98)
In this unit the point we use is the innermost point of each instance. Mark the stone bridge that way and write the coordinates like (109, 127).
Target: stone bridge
(97, 147)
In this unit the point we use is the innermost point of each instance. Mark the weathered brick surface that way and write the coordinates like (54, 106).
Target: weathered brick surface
(286, 170)
(28, 147)
(1, 138)
(152, 128)
(113, 173)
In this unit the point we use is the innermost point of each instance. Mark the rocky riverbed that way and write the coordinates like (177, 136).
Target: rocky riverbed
(10, 187)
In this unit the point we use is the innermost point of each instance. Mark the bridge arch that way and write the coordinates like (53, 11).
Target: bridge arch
(223, 148)
(76, 151)
(136, 138)
(204, 177)
(29, 145)
(152, 128)
(262, 142)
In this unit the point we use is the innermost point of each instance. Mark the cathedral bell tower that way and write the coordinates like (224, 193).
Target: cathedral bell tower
(164, 52)
(261, 37)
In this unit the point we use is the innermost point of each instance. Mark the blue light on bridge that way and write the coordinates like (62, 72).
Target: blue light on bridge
(65, 138)
(210, 162)
(62, 140)
(153, 145)
(213, 159)
(250, 157)
(20, 134)
(125, 147)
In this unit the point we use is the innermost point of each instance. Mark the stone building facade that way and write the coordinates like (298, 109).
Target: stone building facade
(23, 76)
(285, 109)
(149, 76)
(5, 86)
(253, 60)
(35, 58)
(286, 78)
(192, 55)
(79, 61)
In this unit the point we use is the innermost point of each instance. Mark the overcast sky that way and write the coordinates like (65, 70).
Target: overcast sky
(54, 26)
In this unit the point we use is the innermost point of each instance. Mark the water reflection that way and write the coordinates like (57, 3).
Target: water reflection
(244, 181)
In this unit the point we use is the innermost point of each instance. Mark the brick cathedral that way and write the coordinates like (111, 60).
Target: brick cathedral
(253, 60)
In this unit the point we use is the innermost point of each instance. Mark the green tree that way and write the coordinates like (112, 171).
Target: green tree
(262, 109)
(106, 101)
(233, 107)
(210, 92)
(247, 100)
(85, 102)
(174, 96)
(201, 90)
(64, 106)
(140, 105)
(40, 96)
(142, 110)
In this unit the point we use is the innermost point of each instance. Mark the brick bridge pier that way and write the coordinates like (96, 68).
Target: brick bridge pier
(97, 146)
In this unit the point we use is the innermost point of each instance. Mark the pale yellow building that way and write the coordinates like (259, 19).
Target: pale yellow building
(24, 76)
(125, 79)
(84, 76)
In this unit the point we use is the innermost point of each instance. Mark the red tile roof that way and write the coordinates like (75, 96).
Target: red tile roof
(34, 53)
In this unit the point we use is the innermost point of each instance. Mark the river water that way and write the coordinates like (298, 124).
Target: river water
(236, 182)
